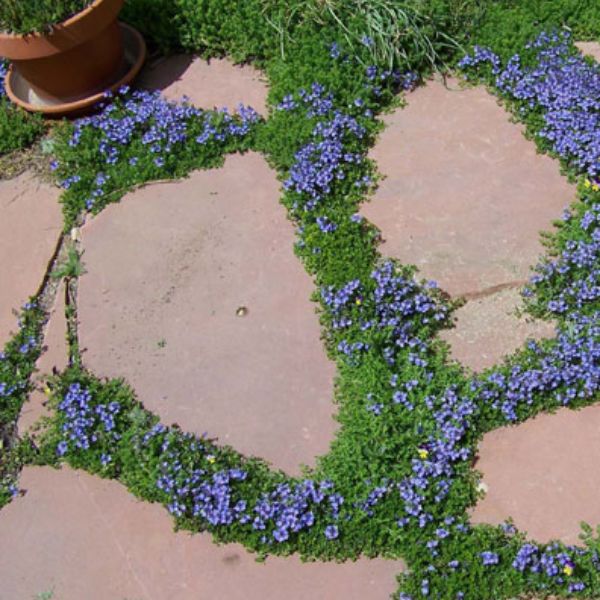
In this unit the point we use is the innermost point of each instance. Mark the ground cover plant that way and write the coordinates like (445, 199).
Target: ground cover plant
(398, 479)
(18, 129)
(37, 15)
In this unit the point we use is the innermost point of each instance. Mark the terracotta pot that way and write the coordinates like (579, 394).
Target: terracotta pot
(78, 58)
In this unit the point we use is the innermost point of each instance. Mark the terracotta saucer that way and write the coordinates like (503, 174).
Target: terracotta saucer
(22, 94)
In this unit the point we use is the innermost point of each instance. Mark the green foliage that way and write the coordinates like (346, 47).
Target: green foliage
(18, 129)
(157, 20)
(292, 41)
(83, 162)
(507, 25)
(17, 364)
(17, 16)
(71, 267)
(394, 33)
(244, 34)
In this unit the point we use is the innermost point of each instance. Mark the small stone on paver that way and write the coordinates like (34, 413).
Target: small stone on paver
(217, 83)
(30, 226)
(542, 474)
(166, 273)
(54, 357)
(465, 194)
(487, 329)
(590, 48)
(85, 537)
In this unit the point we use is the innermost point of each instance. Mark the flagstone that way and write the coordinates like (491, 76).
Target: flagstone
(30, 226)
(192, 293)
(464, 198)
(540, 473)
(85, 537)
(214, 83)
(487, 329)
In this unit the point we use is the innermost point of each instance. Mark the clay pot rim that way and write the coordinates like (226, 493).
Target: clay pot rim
(64, 35)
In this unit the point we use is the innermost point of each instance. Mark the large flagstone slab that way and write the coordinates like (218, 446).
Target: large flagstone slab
(543, 474)
(465, 194)
(30, 226)
(194, 295)
(217, 83)
(88, 538)
(464, 198)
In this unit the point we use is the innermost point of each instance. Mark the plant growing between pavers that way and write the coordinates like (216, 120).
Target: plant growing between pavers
(18, 129)
(398, 479)
(17, 364)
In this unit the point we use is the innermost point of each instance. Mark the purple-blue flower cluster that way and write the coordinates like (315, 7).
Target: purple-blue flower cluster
(392, 306)
(574, 276)
(569, 370)
(324, 159)
(84, 422)
(553, 562)
(564, 86)
(291, 508)
(433, 470)
(145, 125)
(3, 73)
(219, 496)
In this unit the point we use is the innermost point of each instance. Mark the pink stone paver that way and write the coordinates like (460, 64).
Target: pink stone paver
(590, 48)
(210, 84)
(465, 195)
(167, 271)
(88, 538)
(30, 225)
(543, 474)
(55, 356)
(488, 329)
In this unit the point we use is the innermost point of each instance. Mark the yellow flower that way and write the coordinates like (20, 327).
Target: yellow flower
(211, 459)
(568, 570)
(47, 391)
(423, 453)
(595, 187)
(358, 302)
(587, 183)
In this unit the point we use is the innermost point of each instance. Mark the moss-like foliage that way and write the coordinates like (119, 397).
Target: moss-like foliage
(398, 480)
(37, 15)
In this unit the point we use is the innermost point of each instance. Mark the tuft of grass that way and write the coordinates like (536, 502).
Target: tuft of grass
(71, 267)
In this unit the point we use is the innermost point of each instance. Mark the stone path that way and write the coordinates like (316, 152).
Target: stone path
(543, 474)
(590, 48)
(464, 199)
(30, 226)
(167, 272)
